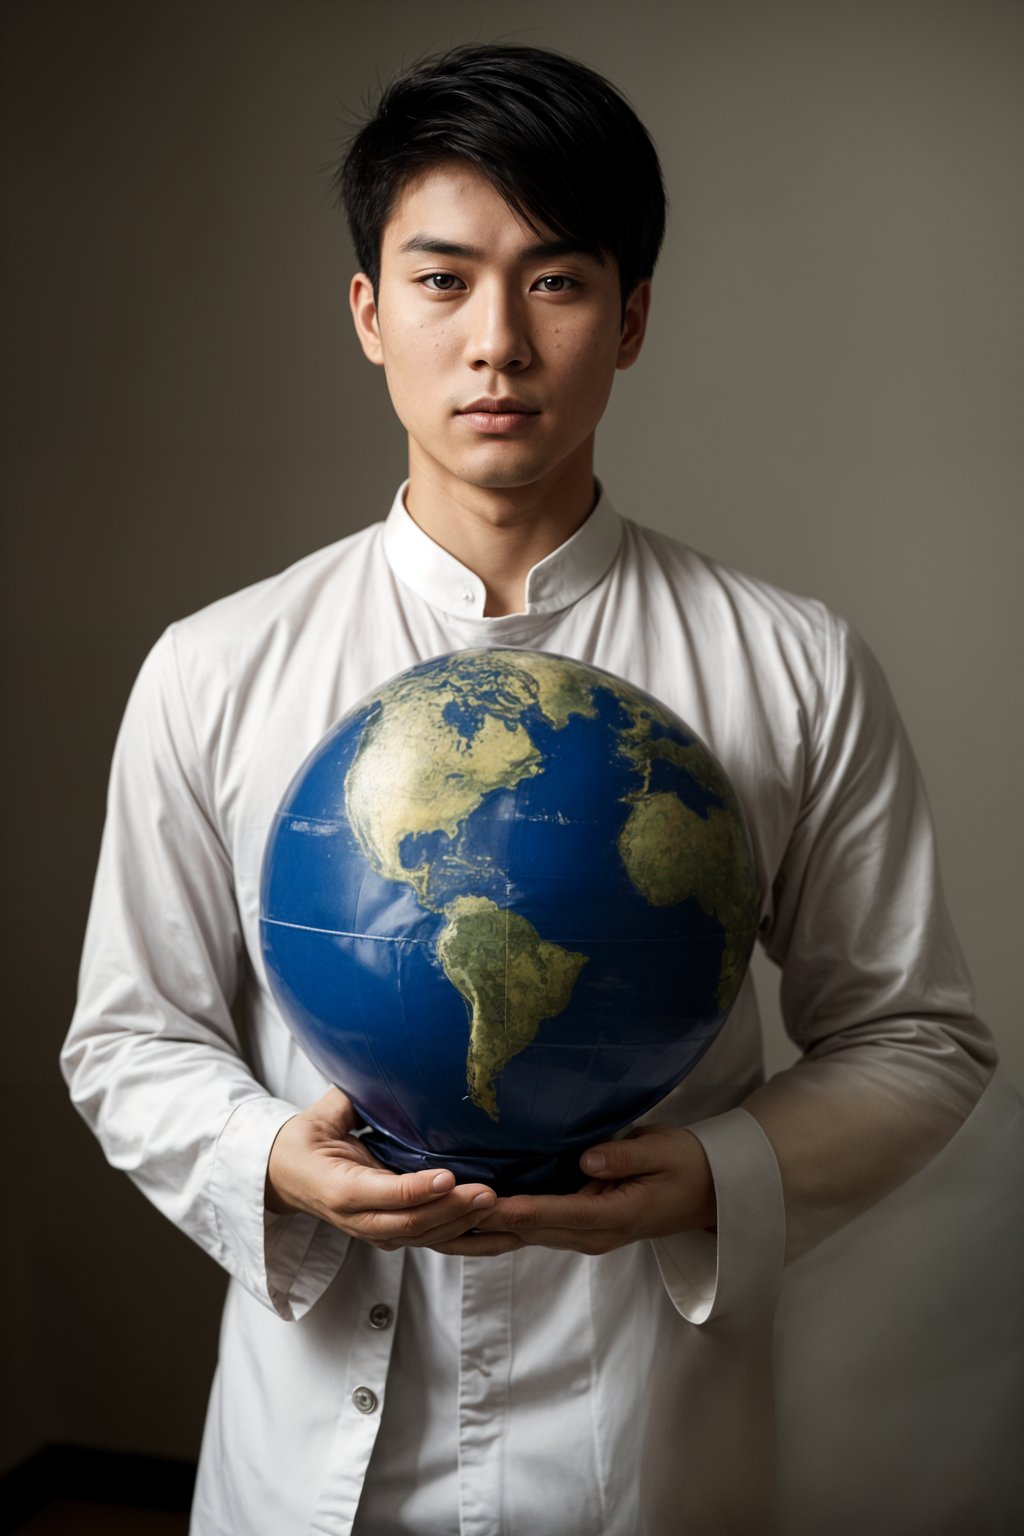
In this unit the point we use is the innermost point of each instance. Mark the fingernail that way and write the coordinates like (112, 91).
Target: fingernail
(484, 1198)
(594, 1162)
(441, 1180)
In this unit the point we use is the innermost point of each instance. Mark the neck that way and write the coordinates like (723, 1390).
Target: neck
(500, 533)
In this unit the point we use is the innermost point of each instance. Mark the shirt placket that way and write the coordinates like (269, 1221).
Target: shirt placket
(363, 1398)
(485, 1360)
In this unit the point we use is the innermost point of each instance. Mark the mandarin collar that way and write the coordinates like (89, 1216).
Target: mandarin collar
(554, 583)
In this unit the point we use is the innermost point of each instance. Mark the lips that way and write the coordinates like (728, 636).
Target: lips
(498, 416)
(503, 405)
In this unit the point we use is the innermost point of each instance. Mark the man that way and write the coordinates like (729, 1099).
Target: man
(401, 1354)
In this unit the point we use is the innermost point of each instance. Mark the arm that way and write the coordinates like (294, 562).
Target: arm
(153, 1057)
(875, 990)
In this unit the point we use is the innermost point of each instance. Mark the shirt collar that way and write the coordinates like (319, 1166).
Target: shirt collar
(554, 583)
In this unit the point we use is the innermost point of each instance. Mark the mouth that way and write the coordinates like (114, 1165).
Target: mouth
(497, 414)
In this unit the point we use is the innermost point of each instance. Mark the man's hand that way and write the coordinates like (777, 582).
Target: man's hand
(654, 1182)
(316, 1165)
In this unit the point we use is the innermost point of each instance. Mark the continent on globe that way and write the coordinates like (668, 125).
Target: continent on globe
(507, 904)
(417, 771)
(671, 853)
(511, 978)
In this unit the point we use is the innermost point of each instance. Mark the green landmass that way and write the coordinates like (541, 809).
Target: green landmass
(510, 977)
(671, 853)
(416, 772)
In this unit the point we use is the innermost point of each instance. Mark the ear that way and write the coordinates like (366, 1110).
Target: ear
(364, 317)
(634, 326)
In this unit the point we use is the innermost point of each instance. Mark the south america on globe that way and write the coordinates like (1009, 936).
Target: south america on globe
(507, 904)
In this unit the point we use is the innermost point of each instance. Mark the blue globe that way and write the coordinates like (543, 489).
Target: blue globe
(507, 904)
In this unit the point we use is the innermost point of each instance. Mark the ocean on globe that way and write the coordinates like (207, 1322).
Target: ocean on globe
(507, 904)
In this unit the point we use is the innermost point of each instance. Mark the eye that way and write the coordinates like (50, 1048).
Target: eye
(555, 282)
(441, 282)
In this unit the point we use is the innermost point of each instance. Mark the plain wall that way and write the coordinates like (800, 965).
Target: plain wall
(829, 398)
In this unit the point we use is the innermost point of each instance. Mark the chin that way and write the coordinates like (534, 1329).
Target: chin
(504, 471)
(497, 481)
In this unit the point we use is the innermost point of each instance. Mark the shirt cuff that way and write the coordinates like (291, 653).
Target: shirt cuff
(738, 1271)
(285, 1261)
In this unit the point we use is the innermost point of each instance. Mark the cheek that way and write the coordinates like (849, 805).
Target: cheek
(584, 349)
(420, 341)
(585, 363)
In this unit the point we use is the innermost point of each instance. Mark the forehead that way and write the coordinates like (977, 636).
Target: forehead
(456, 203)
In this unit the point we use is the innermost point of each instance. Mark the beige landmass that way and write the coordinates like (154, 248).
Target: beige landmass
(641, 748)
(417, 772)
(671, 853)
(510, 977)
(560, 690)
(414, 772)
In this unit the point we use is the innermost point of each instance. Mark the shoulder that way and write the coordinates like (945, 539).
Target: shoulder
(210, 665)
(292, 598)
(252, 634)
(732, 606)
(786, 659)
(703, 580)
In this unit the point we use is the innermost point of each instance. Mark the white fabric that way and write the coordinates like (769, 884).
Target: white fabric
(515, 1394)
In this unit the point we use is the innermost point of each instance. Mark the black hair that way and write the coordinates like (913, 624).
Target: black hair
(560, 144)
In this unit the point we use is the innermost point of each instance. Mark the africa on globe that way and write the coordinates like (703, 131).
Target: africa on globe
(507, 904)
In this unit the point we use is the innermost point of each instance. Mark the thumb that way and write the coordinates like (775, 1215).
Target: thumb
(334, 1109)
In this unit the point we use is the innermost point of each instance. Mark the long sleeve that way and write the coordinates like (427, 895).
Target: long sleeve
(874, 989)
(153, 1057)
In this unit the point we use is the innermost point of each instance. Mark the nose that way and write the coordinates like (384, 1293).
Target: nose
(497, 336)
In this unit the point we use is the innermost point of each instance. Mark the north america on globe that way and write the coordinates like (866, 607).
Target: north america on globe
(435, 746)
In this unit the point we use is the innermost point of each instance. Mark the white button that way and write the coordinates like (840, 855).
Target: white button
(380, 1316)
(364, 1399)
(467, 596)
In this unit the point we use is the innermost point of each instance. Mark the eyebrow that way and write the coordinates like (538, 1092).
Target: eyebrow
(542, 250)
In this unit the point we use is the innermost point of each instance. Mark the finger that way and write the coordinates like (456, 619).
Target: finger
(523, 1214)
(642, 1151)
(534, 1210)
(482, 1245)
(369, 1187)
(457, 1212)
(461, 1228)
(589, 1240)
(335, 1108)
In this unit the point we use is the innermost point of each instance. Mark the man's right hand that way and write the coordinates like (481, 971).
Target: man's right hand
(317, 1165)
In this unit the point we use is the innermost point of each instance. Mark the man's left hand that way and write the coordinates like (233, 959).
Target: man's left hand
(654, 1182)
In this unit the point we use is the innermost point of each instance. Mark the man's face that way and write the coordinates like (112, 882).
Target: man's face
(500, 346)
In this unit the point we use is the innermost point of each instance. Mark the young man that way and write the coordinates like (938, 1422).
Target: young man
(400, 1354)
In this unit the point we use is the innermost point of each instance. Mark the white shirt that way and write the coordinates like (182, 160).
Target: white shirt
(540, 1392)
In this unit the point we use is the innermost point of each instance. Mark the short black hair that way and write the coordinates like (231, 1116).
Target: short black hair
(562, 146)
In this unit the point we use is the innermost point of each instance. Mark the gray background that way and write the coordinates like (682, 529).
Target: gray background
(829, 398)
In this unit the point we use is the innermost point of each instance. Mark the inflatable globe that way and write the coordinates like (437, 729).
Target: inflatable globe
(507, 904)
